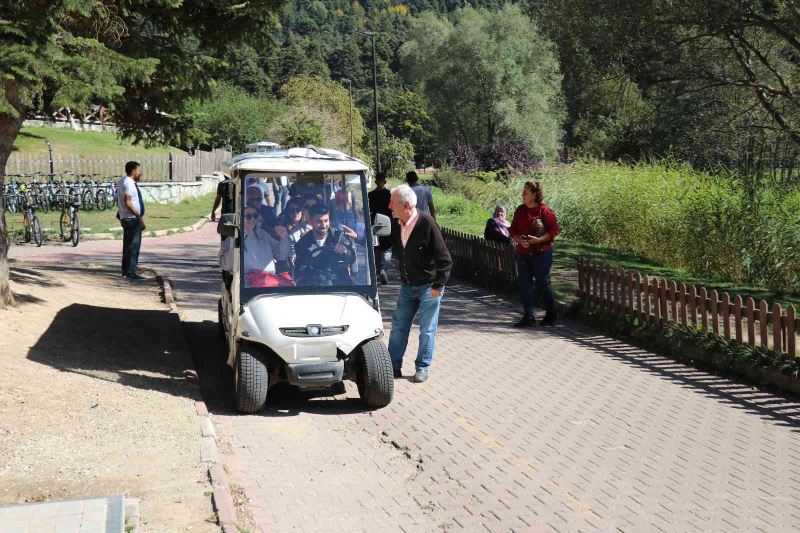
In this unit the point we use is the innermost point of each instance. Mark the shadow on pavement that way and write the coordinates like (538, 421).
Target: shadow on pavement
(135, 348)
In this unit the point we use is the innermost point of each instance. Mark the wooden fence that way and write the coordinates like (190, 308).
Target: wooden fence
(661, 300)
(167, 167)
(489, 263)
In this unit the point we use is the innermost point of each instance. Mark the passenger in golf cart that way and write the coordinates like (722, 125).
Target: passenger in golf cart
(325, 256)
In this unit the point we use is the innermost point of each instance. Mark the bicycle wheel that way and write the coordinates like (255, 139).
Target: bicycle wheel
(75, 229)
(101, 200)
(87, 201)
(38, 236)
(64, 224)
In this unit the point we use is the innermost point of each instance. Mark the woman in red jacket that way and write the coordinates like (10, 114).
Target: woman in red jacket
(533, 229)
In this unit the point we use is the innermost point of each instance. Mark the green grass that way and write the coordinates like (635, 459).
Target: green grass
(82, 144)
(459, 213)
(157, 217)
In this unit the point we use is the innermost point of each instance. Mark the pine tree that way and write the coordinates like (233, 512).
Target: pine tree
(143, 59)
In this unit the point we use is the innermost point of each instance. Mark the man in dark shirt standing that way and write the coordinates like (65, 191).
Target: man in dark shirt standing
(424, 195)
(379, 203)
(424, 270)
(224, 197)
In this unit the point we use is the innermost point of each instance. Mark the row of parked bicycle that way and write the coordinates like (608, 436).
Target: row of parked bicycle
(45, 191)
(26, 194)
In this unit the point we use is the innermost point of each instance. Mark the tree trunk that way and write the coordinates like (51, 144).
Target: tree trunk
(9, 128)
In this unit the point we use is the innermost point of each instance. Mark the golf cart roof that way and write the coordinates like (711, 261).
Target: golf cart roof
(263, 146)
(308, 159)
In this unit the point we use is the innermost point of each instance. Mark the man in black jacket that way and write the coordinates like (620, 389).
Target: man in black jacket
(424, 270)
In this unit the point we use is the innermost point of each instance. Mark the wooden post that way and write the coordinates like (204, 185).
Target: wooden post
(683, 295)
(703, 317)
(791, 332)
(662, 287)
(715, 311)
(673, 289)
(737, 317)
(777, 327)
(637, 283)
(726, 315)
(693, 304)
(608, 272)
(763, 322)
(751, 321)
(646, 307)
(656, 300)
(629, 282)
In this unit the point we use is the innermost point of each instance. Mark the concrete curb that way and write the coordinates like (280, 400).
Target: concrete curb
(148, 234)
(221, 498)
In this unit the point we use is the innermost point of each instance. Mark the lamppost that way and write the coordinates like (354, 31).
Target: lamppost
(374, 99)
(350, 91)
(50, 152)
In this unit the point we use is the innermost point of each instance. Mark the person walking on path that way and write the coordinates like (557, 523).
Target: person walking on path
(131, 213)
(424, 270)
(379, 199)
(424, 195)
(224, 197)
(533, 229)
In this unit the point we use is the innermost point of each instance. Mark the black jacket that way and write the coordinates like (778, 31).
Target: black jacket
(425, 258)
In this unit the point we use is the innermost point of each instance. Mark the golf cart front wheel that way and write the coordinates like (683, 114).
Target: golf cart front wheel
(251, 381)
(375, 376)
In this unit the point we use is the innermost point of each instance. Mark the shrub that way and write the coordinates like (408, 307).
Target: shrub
(462, 157)
(512, 154)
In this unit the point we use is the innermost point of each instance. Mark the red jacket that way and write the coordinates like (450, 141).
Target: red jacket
(522, 224)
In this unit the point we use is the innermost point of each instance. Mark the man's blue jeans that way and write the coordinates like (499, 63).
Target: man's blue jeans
(534, 271)
(415, 298)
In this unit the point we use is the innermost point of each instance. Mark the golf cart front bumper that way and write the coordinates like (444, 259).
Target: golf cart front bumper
(315, 375)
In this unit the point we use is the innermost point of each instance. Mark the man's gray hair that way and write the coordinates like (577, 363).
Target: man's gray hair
(405, 194)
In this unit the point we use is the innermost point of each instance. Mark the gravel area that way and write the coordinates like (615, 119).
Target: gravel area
(95, 397)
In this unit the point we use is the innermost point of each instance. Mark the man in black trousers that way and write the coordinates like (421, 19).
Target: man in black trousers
(131, 213)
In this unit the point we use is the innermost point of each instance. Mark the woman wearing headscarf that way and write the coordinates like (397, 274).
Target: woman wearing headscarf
(497, 226)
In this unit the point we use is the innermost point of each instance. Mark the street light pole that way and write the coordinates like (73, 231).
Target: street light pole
(350, 91)
(50, 153)
(375, 100)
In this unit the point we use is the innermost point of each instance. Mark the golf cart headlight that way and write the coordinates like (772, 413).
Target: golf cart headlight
(314, 330)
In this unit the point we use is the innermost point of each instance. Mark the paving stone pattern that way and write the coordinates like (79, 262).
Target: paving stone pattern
(558, 429)
(98, 515)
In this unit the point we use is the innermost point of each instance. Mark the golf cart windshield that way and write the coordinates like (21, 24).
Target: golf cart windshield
(305, 233)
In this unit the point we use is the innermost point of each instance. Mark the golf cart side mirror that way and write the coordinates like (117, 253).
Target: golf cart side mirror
(382, 226)
(227, 225)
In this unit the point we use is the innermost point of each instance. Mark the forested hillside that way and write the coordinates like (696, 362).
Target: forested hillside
(709, 82)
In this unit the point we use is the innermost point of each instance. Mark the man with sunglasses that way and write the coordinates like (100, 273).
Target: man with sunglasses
(325, 256)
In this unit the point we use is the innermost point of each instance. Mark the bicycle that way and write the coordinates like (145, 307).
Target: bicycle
(32, 225)
(69, 223)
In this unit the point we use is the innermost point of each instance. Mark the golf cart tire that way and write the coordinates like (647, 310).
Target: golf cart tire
(376, 378)
(252, 382)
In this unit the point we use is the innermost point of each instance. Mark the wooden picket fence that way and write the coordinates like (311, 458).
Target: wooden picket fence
(167, 167)
(488, 263)
(660, 300)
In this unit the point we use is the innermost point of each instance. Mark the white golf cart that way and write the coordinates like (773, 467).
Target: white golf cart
(313, 324)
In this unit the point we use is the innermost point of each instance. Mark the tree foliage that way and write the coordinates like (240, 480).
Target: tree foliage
(489, 75)
(146, 60)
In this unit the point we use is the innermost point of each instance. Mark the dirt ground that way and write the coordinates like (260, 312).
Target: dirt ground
(95, 397)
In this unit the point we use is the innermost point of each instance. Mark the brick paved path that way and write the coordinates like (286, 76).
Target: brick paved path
(548, 430)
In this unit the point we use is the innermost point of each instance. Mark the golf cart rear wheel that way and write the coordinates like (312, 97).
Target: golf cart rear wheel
(251, 381)
(375, 377)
